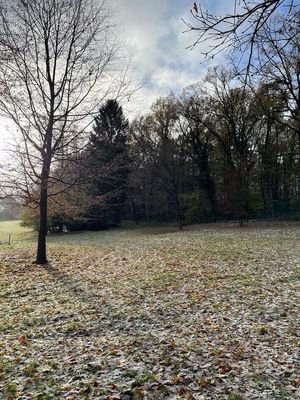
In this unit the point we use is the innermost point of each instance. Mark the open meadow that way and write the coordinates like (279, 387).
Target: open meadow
(152, 313)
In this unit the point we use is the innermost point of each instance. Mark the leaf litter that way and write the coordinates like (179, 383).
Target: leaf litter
(208, 313)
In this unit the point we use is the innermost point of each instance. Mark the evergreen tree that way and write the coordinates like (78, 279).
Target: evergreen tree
(108, 164)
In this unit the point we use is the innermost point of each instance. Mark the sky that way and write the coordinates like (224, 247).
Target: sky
(153, 31)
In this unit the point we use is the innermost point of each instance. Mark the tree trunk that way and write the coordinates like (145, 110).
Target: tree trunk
(205, 180)
(180, 225)
(179, 212)
(41, 257)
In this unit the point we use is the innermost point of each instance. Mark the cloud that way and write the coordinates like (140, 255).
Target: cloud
(154, 30)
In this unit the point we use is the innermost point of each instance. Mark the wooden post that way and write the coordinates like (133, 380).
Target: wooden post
(9, 236)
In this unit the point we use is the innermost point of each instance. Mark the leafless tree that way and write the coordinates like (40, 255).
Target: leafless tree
(278, 63)
(58, 61)
(278, 67)
(229, 114)
(239, 29)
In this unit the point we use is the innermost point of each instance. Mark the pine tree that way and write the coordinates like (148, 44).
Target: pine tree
(108, 162)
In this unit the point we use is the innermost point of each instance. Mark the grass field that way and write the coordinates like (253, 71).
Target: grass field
(14, 229)
(151, 313)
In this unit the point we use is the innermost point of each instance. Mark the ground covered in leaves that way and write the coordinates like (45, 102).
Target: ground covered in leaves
(208, 313)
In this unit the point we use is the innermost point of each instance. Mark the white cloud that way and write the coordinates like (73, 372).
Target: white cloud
(155, 32)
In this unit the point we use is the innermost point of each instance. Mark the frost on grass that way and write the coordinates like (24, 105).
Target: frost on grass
(210, 313)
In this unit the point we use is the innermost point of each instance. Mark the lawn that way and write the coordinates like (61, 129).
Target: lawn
(208, 313)
(14, 230)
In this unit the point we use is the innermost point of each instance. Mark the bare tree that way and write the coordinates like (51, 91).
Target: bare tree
(239, 29)
(198, 137)
(279, 64)
(229, 114)
(58, 57)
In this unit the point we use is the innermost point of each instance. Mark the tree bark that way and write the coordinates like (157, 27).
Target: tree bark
(41, 257)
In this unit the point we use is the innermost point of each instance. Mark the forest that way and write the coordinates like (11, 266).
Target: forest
(219, 151)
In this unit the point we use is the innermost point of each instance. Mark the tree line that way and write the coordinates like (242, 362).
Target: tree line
(219, 150)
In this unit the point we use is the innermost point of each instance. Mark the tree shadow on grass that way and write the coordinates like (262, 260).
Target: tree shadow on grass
(106, 312)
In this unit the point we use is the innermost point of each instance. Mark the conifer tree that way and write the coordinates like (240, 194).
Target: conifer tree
(108, 161)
